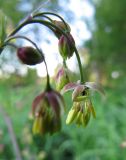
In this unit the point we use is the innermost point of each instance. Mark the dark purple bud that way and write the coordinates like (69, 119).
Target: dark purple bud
(29, 55)
(66, 46)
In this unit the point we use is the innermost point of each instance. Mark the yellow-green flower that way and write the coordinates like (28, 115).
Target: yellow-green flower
(80, 113)
(82, 108)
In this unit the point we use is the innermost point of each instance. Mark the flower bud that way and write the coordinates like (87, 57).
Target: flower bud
(66, 46)
(61, 25)
(61, 78)
(30, 56)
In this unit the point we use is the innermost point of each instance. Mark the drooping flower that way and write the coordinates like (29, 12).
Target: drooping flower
(47, 111)
(66, 46)
(82, 108)
(29, 55)
(61, 78)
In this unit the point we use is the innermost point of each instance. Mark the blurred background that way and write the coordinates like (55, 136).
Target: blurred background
(99, 29)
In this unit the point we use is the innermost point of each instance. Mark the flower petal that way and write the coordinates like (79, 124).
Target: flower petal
(95, 86)
(77, 91)
(69, 86)
(61, 101)
(53, 102)
(37, 104)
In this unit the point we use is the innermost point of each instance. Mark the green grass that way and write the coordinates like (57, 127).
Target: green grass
(100, 140)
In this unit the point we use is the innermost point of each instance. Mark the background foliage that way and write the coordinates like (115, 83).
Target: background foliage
(105, 137)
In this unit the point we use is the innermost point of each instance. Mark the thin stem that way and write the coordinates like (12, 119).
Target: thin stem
(23, 37)
(48, 87)
(11, 44)
(80, 65)
(64, 63)
(45, 17)
(50, 13)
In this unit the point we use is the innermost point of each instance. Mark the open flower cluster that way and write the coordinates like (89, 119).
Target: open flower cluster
(82, 108)
(48, 106)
